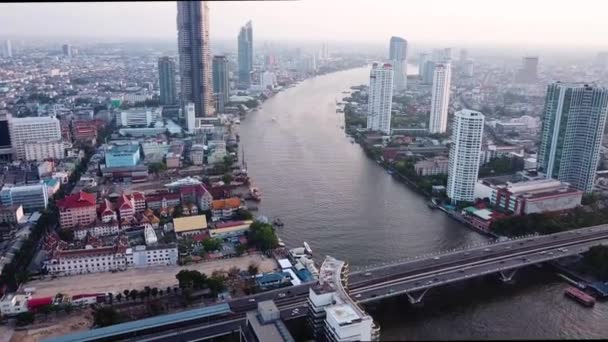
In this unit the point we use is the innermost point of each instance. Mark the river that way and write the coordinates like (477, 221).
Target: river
(330, 194)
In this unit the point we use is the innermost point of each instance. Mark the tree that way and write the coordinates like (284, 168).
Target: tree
(212, 244)
(240, 249)
(119, 297)
(142, 295)
(168, 290)
(133, 294)
(596, 261)
(105, 316)
(253, 269)
(66, 235)
(110, 297)
(46, 310)
(243, 214)
(262, 236)
(154, 292)
(227, 178)
(157, 168)
(216, 284)
(25, 318)
(68, 308)
(126, 293)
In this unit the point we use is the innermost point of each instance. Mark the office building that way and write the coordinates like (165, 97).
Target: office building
(380, 98)
(32, 197)
(529, 70)
(221, 79)
(23, 130)
(41, 150)
(398, 58)
(440, 98)
(7, 50)
(126, 155)
(166, 81)
(67, 50)
(573, 125)
(139, 117)
(195, 56)
(245, 55)
(265, 324)
(465, 153)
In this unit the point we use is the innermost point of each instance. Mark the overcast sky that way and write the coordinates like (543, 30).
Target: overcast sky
(468, 22)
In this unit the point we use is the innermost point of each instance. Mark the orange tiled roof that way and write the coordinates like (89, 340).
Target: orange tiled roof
(228, 203)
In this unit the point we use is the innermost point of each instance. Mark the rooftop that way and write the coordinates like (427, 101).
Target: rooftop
(343, 314)
(79, 200)
(189, 223)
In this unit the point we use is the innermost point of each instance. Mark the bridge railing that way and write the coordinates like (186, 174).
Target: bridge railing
(440, 253)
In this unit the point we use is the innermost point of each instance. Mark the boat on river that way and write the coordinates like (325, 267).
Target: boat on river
(579, 296)
(255, 194)
(277, 222)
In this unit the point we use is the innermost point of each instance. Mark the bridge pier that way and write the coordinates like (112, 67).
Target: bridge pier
(415, 299)
(507, 276)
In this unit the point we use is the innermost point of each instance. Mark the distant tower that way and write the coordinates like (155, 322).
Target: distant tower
(67, 50)
(573, 125)
(422, 59)
(8, 49)
(195, 56)
(398, 57)
(529, 70)
(166, 77)
(464, 55)
(221, 81)
(440, 98)
(463, 167)
(245, 55)
(380, 98)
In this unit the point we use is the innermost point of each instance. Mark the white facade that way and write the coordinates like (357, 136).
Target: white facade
(96, 230)
(465, 155)
(139, 117)
(380, 98)
(190, 117)
(144, 256)
(23, 130)
(440, 98)
(86, 261)
(41, 150)
(33, 197)
(13, 304)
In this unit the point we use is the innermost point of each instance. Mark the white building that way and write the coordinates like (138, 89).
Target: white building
(190, 117)
(13, 304)
(217, 151)
(96, 230)
(40, 129)
(440, 98)
(380, 98)
(144, 256)
(398, 57)
(41, 150)
(139, 117)
(465, 155)
(33, 197)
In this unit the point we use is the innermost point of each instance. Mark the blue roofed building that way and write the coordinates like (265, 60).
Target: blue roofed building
(124, 155)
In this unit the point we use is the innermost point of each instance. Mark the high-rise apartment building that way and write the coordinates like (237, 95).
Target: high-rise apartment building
(380, 98)
(34, 129)
(422, 59)
(428, 72)
(166, 81)
(398, 57)
(245, 55)
(573, 125)
(440, 98)
(529, 70)
(221, 79)
(463, 167)
(195, 56)
(67, 50)
(7, 50)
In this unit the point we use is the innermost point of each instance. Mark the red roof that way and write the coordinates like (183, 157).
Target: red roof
(229, 224)
(79, 200)
(158, 198)
(35, 303)
(124, 200)
(138, 196)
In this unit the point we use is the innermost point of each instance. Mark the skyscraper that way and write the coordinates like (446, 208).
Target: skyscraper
(221, 81)
(529, 70)
(463, 167)
(440, 98)
(166, 80)
(245, 55)
(67, 50)
(422, 59)
(195, 56)
(23, 130)
(398, 57)
(573, 124)
(428, 72)
(464, 55)
(380, 98)
(7, 49)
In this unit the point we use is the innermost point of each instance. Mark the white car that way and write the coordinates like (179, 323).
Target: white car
(281, 295)
(358, 295)
(251, 300)
(436, 258)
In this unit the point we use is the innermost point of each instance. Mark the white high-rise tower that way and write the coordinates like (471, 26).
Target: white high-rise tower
(398, 57)
(463, 167)
(440, 98)
(380, 98)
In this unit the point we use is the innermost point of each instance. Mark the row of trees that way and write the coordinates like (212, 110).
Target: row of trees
(192, 279)
(501, 166)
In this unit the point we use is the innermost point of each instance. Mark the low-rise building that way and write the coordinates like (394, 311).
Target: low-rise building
(265, 324)
(96, 229)
(14, 304)
(191, 225)
(173, 160)
(145, 256)
(77, 210)
(11, 214)
(163, 201)
(124, 155)
(432, 166)
(139, 117)
(230, 229)
(225, 208)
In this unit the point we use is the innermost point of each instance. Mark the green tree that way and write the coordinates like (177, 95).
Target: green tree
(243, 214)
(119, 297)
(105, 316)
(253, 269)
(66, 235)
(596, 261)
(262, 236)
(157, 168)
(227, 178)
(25, 318)
(212, 244)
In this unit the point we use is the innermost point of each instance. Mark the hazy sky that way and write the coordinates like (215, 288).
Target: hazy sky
(467, 22)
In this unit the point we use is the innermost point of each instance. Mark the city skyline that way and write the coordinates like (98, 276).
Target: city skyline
(156, 20)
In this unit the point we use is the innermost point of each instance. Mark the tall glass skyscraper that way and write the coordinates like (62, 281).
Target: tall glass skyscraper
(573, 125)
(195, 56)
(166, 81)
(221, 80)
(245, 55)
(398, 56)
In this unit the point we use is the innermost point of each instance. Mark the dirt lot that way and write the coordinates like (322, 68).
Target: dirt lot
(55, 326)
(159, 276)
